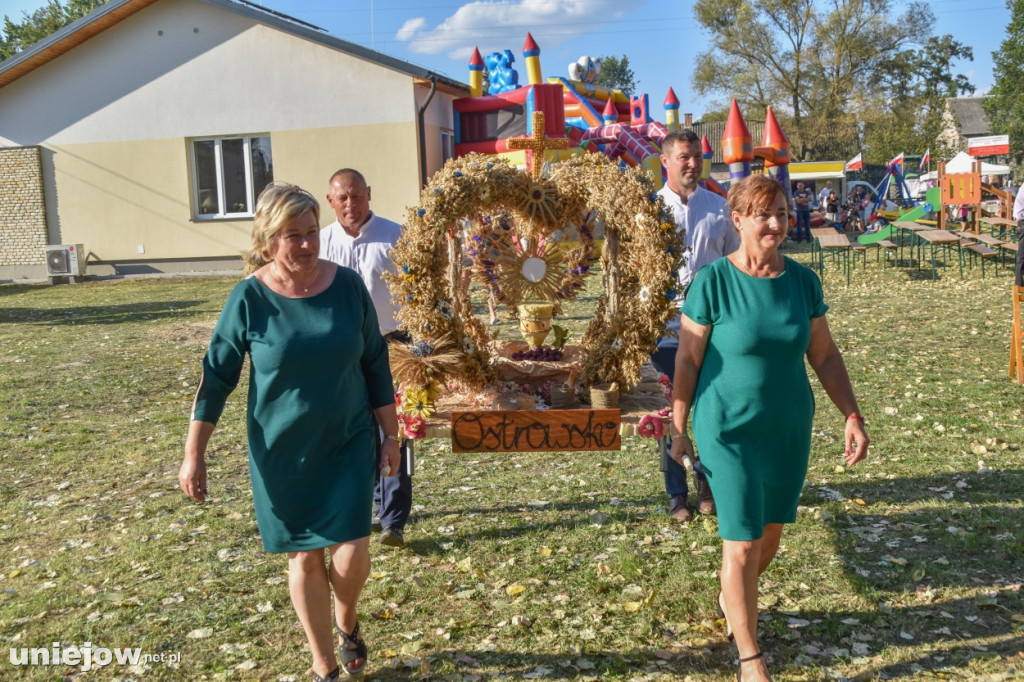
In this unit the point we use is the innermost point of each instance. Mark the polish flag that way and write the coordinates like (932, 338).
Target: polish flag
(898, 161)
(856, 163)
(925, 159)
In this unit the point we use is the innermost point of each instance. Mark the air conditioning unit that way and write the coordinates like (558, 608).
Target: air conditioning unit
(65, 260)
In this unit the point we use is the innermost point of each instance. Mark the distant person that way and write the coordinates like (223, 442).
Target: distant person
(362, 241)
(748, 324)
(832, 211)
(823, 196)
(319, 386)
(1018, 214)
(703, 217)
(802, 200)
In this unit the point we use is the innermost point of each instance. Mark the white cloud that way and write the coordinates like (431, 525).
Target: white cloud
(409, 28)
(476, 23)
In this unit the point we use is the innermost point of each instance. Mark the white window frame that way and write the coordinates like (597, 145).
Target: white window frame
(218, 158)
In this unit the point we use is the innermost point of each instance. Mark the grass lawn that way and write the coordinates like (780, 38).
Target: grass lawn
(535, 566)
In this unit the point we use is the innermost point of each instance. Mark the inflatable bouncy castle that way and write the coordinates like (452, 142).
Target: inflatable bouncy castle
(591, 119)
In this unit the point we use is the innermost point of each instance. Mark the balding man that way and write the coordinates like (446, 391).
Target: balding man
(361, 241)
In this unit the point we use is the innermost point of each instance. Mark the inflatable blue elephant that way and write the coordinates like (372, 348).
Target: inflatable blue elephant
(500, 73)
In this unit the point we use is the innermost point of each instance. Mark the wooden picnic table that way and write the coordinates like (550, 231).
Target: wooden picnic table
(985, 239)
(817, 232)
(1000, 224)
(985, 246)
(940, 239)
(997, 220)
(912, 228)
(839, 244)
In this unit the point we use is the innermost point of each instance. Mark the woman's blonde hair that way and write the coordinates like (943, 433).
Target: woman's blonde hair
(753, 194)
(278, 203)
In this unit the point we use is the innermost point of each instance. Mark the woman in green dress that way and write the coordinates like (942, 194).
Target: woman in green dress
(319, 388)
(748, 322)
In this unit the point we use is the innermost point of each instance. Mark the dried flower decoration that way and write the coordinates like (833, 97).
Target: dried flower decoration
(480, 208)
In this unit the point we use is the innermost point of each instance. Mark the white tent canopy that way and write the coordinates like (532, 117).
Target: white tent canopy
(962, 163)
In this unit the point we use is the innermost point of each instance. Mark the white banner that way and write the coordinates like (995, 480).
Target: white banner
(990, 145)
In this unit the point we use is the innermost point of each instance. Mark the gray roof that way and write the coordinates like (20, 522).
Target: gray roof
(970, 116)
(115, 10)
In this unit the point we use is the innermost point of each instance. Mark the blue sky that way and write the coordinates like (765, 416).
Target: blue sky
(659, 36)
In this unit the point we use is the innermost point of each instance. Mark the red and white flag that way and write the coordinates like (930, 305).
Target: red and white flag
(898, 161)
(925, 159)
(856, 163)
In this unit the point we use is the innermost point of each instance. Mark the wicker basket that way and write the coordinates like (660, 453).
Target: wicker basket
(604, 396)
(563, 396)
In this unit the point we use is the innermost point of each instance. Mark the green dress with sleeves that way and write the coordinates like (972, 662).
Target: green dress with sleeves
(318, 366)
(753, 406)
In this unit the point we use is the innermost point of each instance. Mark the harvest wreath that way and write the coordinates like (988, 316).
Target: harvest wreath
(531, 239)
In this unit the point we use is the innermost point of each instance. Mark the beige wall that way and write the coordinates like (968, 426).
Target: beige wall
(183, 68)
(114, 118)
(385, 154)
(113, 197)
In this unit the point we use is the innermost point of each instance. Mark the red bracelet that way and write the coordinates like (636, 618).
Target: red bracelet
(855, 416)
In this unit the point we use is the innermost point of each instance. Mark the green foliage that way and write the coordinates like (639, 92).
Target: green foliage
(41, 23)
(616, 74)
(825, 69)
(918, 83)
(1005, 105)
(715, 116)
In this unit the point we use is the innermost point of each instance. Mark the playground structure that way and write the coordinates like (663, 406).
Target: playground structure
(592, 119)
(894, 177)
(960, 189)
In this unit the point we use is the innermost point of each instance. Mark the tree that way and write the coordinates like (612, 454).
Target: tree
(41, 23)
(918, 83)
(616, 74)
(822, 68)
(1004, 106)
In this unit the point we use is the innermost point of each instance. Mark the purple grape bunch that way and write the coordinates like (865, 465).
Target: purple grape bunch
(543, 353)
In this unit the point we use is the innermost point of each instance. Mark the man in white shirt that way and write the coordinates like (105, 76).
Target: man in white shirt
(703, 217)
(823, 196)
(361, 241)
(1018, 214)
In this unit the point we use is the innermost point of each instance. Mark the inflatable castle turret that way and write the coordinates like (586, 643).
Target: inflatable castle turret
(737, 145)
(671, 111)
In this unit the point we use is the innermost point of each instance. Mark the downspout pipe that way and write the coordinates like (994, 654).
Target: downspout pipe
(421, 120)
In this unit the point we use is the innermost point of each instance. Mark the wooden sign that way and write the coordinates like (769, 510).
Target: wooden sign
(961, 188)
(536, 431)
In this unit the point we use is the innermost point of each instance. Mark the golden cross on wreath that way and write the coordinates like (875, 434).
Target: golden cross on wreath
(537, 144)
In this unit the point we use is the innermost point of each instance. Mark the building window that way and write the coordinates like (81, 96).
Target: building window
(228, 173)
(447, 145)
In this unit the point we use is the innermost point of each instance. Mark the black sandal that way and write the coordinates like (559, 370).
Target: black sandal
(721, 614)
(739, 673)
(348, 655)
(331, 676)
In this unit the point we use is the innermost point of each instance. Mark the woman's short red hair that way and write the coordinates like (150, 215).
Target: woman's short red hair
(754, 194)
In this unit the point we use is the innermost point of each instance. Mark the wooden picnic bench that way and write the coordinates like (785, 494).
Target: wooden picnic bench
(981, 246)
